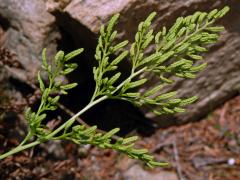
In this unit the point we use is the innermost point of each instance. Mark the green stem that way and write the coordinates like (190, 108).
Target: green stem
(193, 34)
(18, 149)
(73, 118)
(28, 136)
(22, 147)
(129, 78)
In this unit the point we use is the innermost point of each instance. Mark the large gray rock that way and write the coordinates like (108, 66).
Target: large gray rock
(29, 28)
(219, 82)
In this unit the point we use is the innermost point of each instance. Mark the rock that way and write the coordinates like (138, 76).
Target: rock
(7, 92)
(218, 83)
(53, 5)
(136, 172)
(29, 28)
(55, 149)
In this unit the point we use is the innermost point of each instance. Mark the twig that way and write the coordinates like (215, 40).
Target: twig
(199, 162)
(176, 157)
(69, 112)
(222, 120)
(158, 147)
(171, 142)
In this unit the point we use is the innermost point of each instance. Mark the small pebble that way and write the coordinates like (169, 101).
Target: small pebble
(231, 161)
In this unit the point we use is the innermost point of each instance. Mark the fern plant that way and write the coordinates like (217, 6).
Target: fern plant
(175, 52)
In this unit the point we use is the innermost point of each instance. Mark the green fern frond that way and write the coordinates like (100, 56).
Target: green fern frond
(175, 54)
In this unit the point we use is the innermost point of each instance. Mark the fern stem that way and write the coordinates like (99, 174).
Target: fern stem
(91, 104)
(28, 136)
(18, 149)
(73, 118)
(50, 136)
(134, 74)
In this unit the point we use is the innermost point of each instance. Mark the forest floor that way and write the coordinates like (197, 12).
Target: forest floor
(208, 149)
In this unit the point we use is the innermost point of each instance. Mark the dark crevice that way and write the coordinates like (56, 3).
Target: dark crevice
(4, 23)
(22, 87)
